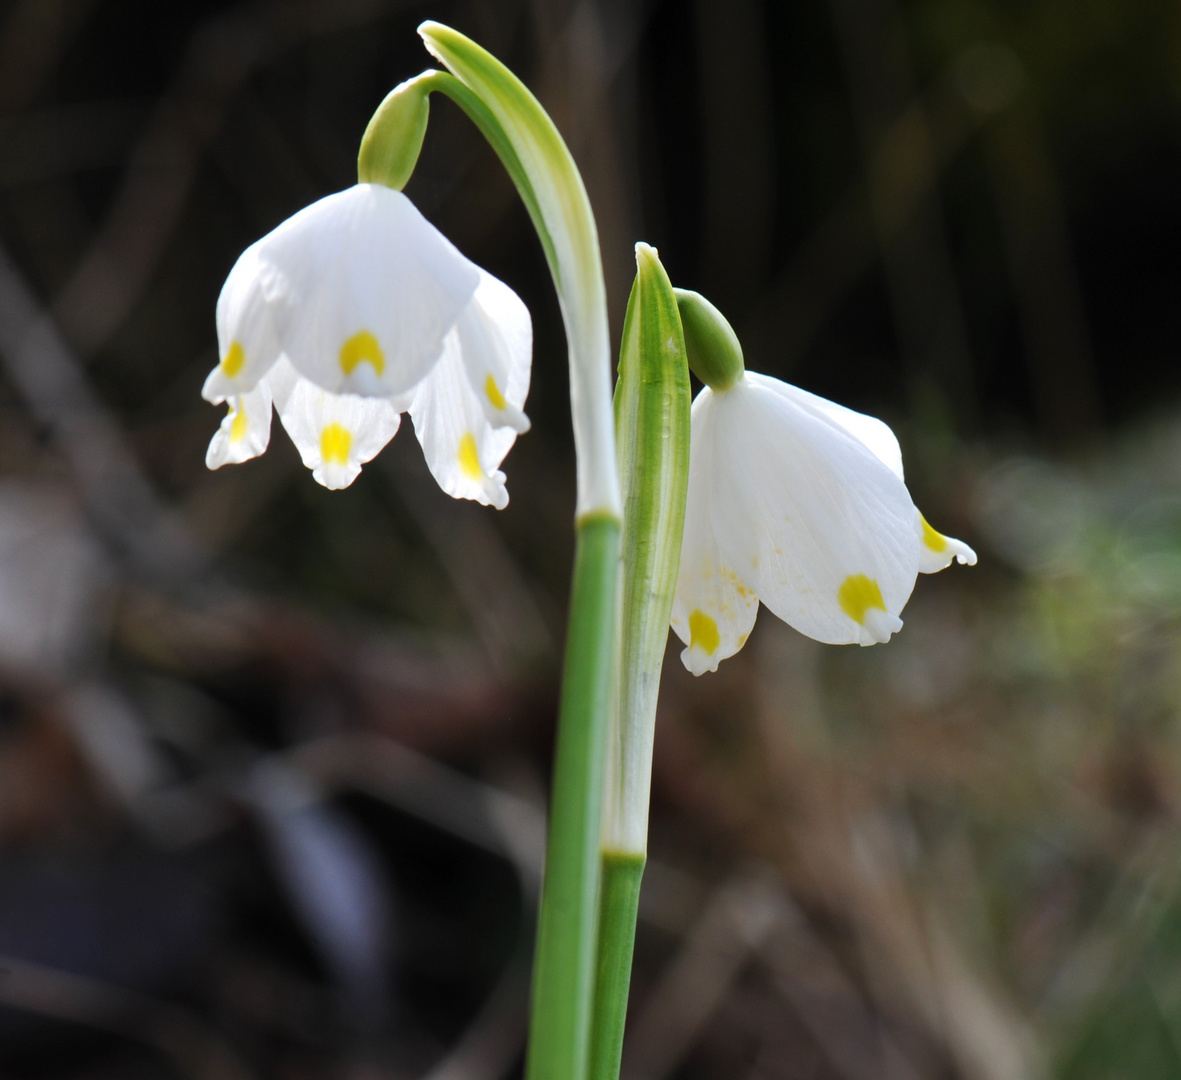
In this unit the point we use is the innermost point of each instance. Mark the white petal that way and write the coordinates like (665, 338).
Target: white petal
(874, 433)
(245, 431)
(364, 289)
(496, 341)
(246, 338)
(462, 449)
(282, 380)
(335, 433)
(808, 516)
(937, 551)
(713, 611)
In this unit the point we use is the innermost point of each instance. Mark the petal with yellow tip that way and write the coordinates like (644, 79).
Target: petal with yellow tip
(245, 430)
(247, 343)
(335, 434)
(463, 449)
(713, 611)
(495, 339)
(936, 551)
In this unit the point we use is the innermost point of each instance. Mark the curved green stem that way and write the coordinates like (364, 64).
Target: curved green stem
(537, 159)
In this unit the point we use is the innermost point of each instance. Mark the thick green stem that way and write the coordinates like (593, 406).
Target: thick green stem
(619, 902)
(563, 975)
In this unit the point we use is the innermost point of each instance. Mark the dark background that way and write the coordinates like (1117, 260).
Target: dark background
(273, 759)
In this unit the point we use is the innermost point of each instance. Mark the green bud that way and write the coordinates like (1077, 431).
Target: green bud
(393, 140)
(715, 356)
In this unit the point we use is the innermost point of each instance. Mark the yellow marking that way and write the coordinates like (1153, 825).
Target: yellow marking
(239, 425)
(857, 595)
(469, 457)
(494, 394)
(361, 348)
(936, 541)
(703, 633)
(234, 359)
(736, 581)
(335, 443)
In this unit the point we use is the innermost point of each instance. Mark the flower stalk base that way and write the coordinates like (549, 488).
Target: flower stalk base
(619, 902)
(564, 969)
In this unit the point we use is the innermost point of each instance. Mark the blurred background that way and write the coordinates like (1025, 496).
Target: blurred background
(273, 760)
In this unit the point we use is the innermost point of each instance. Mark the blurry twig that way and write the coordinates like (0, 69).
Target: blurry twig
(496, 1037)
(221, 56)
(482, 571)
(479, 813)
(843, 246)
(1045, 277)
(34, 36)
(830, 1005)
(195, 1049)
(739, 148)
(62, 139)
(588, 51)
(898, 147)
(915, 966)
(118, 497)
(735, 922)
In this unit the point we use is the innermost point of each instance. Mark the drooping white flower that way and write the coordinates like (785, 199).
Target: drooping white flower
(353, 311)
(800, 503)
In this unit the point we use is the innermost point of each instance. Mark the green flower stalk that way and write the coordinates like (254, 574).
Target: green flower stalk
(540, 165)
(652, 428)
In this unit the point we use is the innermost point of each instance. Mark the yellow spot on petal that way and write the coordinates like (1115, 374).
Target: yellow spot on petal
(857, 595)
(469, 457)
(239, 425)
(494, 394)
(361, 348)
(936, 541)
(335, 443)
(703, 633)
(234, 359)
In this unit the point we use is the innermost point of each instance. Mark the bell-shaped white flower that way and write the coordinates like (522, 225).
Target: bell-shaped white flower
(353, 311)
(800, 503)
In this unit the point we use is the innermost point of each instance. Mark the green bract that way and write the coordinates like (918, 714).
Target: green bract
(652, 428)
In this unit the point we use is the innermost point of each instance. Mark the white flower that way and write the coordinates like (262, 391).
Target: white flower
(799, 503)
(351, 312)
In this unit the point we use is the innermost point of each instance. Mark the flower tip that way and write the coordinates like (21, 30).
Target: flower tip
(964, 555)
(497, 496)
(697, 661)
(336, 477)
(512, 417)
(429, 31)
(214, 391)
(878, 627)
